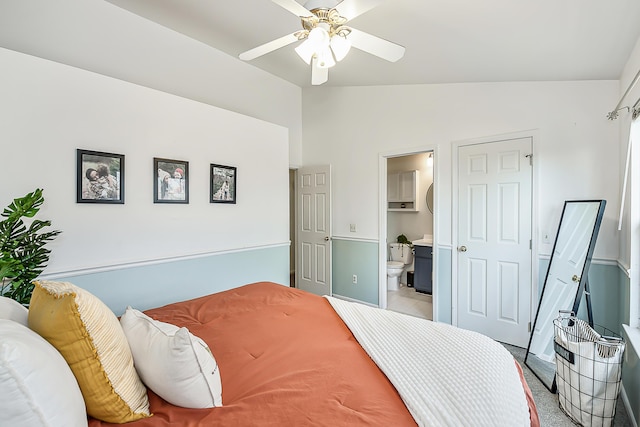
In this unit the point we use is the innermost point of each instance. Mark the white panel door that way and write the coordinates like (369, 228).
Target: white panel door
(314, 229)
(494, 238)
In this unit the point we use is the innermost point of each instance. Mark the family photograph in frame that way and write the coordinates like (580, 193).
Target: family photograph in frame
(100, 177)
(171, 181)
(223, 184)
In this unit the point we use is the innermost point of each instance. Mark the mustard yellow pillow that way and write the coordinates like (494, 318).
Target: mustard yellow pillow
(91, 340)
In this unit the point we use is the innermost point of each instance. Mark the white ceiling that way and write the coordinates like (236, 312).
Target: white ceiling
(447, 41)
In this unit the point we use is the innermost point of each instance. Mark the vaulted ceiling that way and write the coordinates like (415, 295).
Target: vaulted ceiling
(446, 41)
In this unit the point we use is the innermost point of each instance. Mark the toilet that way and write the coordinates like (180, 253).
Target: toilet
(401, 257)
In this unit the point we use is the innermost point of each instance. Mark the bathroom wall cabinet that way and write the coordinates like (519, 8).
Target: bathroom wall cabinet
(402, 191)
(423, 267)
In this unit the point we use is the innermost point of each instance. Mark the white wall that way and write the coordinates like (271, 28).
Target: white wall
(575, 151)
(48, 110)
(98, 36)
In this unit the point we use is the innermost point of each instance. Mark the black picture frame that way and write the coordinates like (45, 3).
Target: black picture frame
(99, 177)
(170, 181)
(223, 184)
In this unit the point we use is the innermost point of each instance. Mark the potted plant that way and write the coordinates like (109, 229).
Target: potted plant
(23, 255)
(403, 239)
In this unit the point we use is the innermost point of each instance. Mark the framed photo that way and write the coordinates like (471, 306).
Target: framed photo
(171, 181)
(223, 184)
(100, 177)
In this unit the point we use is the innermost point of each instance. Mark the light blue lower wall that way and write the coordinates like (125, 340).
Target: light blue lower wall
(161, 283)
(609, 291)
(631, 379)
(351, 257)
(444, 283)
(606, 296)
(631, 363)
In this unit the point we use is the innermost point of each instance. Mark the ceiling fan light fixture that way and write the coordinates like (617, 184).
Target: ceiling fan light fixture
(316, 44)
(340, 46)
(306, 50)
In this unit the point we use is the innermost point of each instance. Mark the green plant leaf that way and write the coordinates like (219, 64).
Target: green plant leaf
(23, 255)
(403, 239)
(27, 206)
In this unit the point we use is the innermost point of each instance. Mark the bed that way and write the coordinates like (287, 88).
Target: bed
(290, 358)
(286, 358)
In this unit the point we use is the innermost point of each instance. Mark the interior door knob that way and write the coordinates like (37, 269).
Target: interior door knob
(576, 278)
(462, 249)
(327, 238)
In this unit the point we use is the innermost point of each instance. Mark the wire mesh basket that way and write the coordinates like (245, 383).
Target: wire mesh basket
(588, 370)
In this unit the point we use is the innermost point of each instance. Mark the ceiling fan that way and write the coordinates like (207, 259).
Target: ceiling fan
(325, 37)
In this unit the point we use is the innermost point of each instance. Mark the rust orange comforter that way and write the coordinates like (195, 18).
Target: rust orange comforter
(286, 359)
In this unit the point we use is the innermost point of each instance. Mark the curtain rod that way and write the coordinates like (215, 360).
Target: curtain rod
(614, 114)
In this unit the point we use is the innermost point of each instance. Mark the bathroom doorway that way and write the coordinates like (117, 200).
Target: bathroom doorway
(409, 207)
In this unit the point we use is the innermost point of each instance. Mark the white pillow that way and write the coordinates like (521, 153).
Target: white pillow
(37, 387)
(171, 361)
(13, 310)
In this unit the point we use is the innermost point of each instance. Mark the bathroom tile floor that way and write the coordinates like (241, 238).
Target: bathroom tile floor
(406, 300)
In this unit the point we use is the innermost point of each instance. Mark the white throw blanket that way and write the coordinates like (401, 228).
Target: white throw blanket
(446, 376)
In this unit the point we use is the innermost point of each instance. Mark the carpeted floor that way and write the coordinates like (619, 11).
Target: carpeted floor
(549, 411)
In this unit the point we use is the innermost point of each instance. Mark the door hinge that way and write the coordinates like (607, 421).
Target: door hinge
(529, 327)
(530, 157)
(530, 244)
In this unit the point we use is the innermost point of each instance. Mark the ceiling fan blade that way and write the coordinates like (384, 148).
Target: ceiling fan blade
(293, 7)
(375, 45)
(318, 75)
(268, 47)
(352, 8)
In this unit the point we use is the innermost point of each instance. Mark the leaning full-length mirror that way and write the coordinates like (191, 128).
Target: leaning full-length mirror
(565, 281)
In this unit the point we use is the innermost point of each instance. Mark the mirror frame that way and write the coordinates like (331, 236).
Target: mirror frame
(580, 291)
(429, 198)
